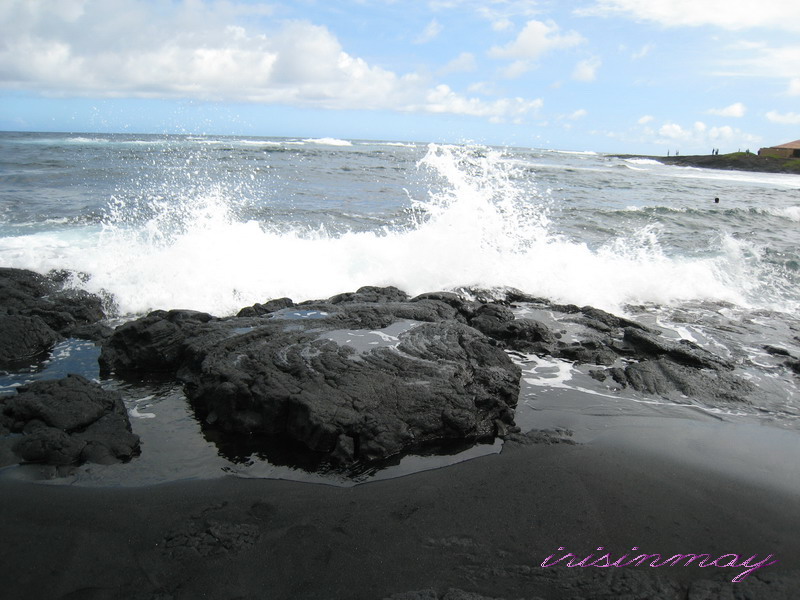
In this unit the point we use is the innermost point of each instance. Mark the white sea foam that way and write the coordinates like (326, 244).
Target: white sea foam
(643, 161)
(789, 212)
(478, 229)
(86, 140)
(258, 143)
(327, 141)
(134, 412)
(575, 152)
(771, 179)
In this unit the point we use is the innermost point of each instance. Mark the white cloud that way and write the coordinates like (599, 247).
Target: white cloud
(516, 69)
(762, 60)
(500, 12)
(673, 131)
(586, 70)
(794, 87)
(780, 14)
(578, 114)
(502, 25)
(644, 120)
(462, 63)
(734, 110)
(482, 87)
(431, 32)
(643, 51)
(789, 118)
(442, 4)
(208, 51)
(442, 99)
(699, 136)
(536, 39)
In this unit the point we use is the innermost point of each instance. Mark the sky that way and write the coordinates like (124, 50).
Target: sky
(634, 76)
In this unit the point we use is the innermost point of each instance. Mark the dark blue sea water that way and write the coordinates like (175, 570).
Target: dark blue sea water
(218, 223)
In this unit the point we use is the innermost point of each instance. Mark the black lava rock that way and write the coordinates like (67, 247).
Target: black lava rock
(152, 344)
(23, 338)
(68, 421)
(68, 312)
(433, 380)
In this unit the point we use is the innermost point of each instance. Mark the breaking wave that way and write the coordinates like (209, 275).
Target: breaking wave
(481, 224)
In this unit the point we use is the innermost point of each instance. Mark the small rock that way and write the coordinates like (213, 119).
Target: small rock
(68, 421)
(23, 338)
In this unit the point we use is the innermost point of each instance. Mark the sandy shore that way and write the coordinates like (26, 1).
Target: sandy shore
(483, 526)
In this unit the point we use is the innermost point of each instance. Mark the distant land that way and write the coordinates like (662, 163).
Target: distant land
(735, 161)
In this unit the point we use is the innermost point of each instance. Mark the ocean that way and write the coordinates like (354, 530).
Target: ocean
(217, 223)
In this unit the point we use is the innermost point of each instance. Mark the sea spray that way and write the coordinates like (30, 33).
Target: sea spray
(181, 236)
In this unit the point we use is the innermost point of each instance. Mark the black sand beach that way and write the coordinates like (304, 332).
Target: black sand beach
(643, 482)
(483, 527)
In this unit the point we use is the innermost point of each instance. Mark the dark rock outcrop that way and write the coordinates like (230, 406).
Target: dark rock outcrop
(23, 338)
(49, 446)
(441, 381)
(793, 364)
(371, 294)
(636, 356)
(270, 306)
(683, 352)
(664, 376)
(296, 375)
(68, 421)
(372, 374)
(155, 343)
(19, 286)
(525, 335)
(67, 312)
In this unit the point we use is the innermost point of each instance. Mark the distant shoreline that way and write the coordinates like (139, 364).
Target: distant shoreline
(736, 161)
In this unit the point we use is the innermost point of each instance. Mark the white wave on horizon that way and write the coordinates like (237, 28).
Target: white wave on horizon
(328, 141)
(643, 161)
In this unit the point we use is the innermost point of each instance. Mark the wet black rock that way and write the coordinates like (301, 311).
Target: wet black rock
(155, 343)
(793, 364)
(683, 352)
(490, 316)
(592, 351)
(372, 374)
(371, 294)
(68, 421)
(23, 338)
(68, 312)
(49, 446)
(776, 351)
(19, 286)
(440, 381)
(637, 356)
(594, 317)
(522, 334)
(664, 376)
(295, 375)
(258, 310)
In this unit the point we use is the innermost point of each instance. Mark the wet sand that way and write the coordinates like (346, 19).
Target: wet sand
(483, 526)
